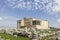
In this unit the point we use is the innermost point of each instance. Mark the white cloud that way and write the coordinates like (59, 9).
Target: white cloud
(1, 18)
(58, 20)
(8, 21)
(49, 5)
(4, 18)
(37, 0)
(56, 8)
(23, 4)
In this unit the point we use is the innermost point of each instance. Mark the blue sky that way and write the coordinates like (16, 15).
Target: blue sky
(13, 10)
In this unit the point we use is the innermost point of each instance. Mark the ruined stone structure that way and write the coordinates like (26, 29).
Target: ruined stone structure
(33, 22)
